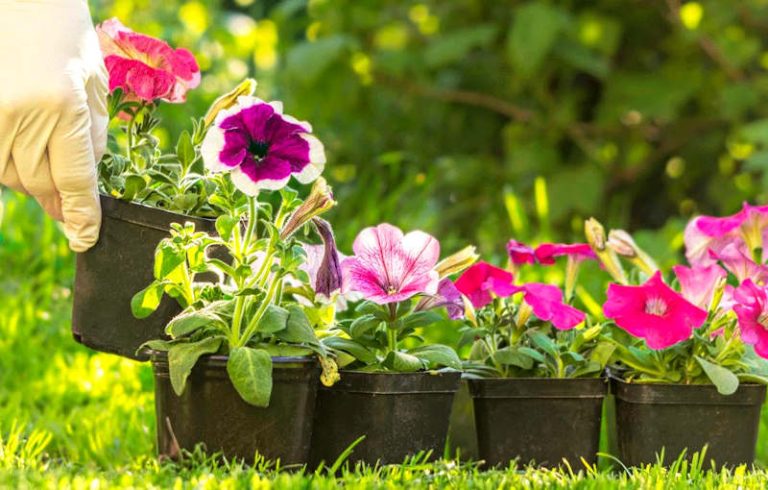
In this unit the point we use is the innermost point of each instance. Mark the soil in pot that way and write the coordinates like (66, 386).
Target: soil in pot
(210, 412)
(650, 417)
(539, 420)
(400, 414)
(114, 270)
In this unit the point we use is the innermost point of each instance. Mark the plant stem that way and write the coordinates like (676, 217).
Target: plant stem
(391, 339)
(253, 217)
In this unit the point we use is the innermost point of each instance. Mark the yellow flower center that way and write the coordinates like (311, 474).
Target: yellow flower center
(655, 306)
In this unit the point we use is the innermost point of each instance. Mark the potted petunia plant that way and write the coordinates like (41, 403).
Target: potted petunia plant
(394, 389)
(682, 373)
(241, 346)
(144, 187)
(536, 362)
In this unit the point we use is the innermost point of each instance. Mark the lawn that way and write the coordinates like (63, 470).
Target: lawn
(72, 418)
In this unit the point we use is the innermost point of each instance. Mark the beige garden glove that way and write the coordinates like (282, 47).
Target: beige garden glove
(53, 114)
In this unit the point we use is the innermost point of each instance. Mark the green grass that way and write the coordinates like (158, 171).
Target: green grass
(71, 418)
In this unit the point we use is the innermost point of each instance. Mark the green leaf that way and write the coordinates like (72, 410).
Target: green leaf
(421, 319)
(225, 224)
(168, 259)
(403, 363)
(437, 355)
(512, 357)
(274, 320)
(146, 301)
(250, 371)
(185, 151)
(286, 350)
(363, 324)
(602, 353)
(298, 329)
(133, 185)
(457, 43)
(534, 31)
(532, 353)
(351, 347)
(190, 321)
(724, 380)
(183, 357)
(543, 342)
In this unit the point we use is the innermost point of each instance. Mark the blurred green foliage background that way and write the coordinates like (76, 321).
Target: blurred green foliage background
(638, 112)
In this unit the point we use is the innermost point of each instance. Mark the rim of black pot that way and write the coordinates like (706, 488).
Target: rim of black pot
(528, 387)
(394, 383)
(140, 214)
(682, 394)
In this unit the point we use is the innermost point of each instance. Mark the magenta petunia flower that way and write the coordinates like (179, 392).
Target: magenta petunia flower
(746, 229)
(389, 267)
(697, 284)
(546, 253)
(520, 253)
(262, 147)
(547, 304)
(481, 282)
(752, 311)
(654, 312)
(146, 68)
(738, 263)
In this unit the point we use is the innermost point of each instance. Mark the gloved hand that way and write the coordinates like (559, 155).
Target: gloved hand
(53, 114)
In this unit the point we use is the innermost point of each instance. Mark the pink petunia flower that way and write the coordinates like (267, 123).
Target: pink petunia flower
(738, 263)
(520, 253)
(697, 284)
(546, 253)
(389, 267)
(262, 147)
(654, 312)
(747, 229)
(146, 68)
(547, 304)
(481, 282)
(752, 311)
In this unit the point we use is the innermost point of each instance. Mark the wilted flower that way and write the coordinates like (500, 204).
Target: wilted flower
(698, 284)
(481, 282)
(262, 147)
(596, 238)
(654, 312)
(146, 68)
(520, 253)
(324, 261)
(447, 296)
(320, 200)
(547, 304)
(453, 264)
(752, 310)
(389, 267)
(623, 244)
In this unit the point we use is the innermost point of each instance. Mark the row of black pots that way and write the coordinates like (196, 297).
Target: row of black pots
(545, 421)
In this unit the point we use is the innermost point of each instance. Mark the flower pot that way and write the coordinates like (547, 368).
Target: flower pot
(399, 415)
(539, 420)
(650, 417)
(462, 437)
(114, 270)
(211, 412)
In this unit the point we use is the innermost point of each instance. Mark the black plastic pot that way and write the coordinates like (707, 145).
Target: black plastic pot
(650, 417)
(539, 420)
(212, 413)
(399, 415)
(114, 270)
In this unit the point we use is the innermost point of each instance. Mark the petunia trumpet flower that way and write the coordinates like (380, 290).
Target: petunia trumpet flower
(747, 228)
(546, 253)
(653, 311)
(447, 296)
(389, 266)
(262, 147)
(546, 302)
(483, 281)
(698, 284)
(752, 310)
(145, 68)
(520, 253)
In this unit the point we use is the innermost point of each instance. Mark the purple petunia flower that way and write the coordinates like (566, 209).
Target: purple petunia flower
(262, 147)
